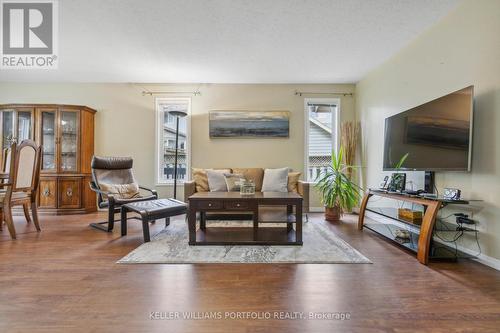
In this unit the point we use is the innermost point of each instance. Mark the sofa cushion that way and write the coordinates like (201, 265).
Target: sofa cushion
(254, 174)
(201, 180)
(275, 180)
(293, 181)
(216, 180)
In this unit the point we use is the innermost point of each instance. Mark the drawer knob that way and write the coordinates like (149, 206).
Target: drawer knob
(237, 205)
(69, 192)
(209, 205)
(46, 192)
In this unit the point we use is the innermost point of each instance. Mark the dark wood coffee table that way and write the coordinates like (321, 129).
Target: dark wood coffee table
(203, 202)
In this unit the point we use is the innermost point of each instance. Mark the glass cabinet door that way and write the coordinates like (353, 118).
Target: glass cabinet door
(69, 141)
(24, 125)
(48, 140)
(8, 136)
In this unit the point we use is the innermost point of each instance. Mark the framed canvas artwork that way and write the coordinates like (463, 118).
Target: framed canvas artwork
(230, 124)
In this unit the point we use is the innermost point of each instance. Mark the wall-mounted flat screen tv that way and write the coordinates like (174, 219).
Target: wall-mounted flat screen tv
(437, 136)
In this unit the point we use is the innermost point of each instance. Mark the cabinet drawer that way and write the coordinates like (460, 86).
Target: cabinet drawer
(47, 193)
(69, 193)
(209, 205)
(237, 205)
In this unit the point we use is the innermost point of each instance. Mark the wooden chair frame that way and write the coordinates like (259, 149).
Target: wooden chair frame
(11, 187)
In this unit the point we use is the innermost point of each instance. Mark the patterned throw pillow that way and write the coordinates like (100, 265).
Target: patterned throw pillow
(122, 191)
(201, 179)
(233, 181)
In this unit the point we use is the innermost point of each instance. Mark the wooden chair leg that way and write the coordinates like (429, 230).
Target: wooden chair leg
(34, 211)
(10, 222)
(26, 209)
(1, 220)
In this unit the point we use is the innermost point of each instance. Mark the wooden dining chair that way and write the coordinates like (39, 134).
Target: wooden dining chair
(21, 188)
(5, 170)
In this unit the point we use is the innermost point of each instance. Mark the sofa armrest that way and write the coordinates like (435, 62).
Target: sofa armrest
(303, 190)
(189, 189)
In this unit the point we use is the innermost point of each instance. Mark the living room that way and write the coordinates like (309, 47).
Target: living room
(243, 108)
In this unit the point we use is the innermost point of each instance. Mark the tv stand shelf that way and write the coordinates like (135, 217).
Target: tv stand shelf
(419, 242)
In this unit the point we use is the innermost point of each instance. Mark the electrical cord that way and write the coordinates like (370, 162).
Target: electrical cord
(460, 232)
(437, 191)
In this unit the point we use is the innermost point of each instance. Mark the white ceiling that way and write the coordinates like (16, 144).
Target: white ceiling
(224, 41)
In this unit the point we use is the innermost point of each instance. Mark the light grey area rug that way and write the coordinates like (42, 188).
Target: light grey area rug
(170, 246)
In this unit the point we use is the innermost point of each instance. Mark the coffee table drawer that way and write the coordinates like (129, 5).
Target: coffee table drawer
(237, 205)
(209, 205)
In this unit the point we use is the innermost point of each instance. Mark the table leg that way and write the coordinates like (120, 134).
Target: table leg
(192, 224)
(167, 221)
(298, 222)
(255, 219)
(203, 220)
(362, 209)
(123, 220)
(424, 239)
(289, 211)
(145, 229)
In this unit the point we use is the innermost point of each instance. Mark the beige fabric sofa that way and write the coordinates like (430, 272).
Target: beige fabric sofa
(199, 182)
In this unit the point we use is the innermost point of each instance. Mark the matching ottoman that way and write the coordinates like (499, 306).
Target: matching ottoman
(152, 210)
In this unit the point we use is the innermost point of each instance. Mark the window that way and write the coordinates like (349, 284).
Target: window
(321, 135)
(165, 139)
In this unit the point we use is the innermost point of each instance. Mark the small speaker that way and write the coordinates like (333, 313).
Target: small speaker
(451, 194)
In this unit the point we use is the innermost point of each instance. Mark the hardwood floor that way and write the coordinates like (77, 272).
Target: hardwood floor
(65, 279)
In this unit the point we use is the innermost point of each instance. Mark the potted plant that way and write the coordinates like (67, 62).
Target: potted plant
(338, 192)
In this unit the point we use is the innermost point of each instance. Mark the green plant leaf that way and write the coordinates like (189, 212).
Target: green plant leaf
(335, 187)
(401, 161)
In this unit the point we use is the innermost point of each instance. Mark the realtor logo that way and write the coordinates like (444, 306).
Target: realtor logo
(29, 34)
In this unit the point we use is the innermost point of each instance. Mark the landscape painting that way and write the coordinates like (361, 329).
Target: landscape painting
(230, 124)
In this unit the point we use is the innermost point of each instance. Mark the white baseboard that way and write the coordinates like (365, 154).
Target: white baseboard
(316, 209)
(482, 258)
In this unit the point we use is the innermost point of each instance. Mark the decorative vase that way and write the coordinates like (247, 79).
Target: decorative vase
(247, 188)
(332, 214)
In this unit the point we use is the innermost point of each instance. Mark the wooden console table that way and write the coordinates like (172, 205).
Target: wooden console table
(432, 206)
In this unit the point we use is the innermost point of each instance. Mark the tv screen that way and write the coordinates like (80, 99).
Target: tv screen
(436, 135)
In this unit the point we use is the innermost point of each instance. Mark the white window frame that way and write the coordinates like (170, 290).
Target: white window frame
(335, 129)
(159, 136)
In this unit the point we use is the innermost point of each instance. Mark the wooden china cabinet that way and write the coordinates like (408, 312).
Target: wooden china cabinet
(66, 133)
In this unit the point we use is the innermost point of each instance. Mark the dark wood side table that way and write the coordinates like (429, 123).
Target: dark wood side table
(234, 202)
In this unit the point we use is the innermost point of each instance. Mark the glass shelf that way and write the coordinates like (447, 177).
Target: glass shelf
(441, 225)
(388, 230)
(445, 226)
(439, 249)
(392, 213)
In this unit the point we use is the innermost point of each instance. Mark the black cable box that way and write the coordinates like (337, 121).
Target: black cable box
(464, 220)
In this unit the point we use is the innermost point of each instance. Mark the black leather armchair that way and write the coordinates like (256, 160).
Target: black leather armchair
(114, 170)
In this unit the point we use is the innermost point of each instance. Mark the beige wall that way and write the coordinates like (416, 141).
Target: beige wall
(463, 49)
(125, 122)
